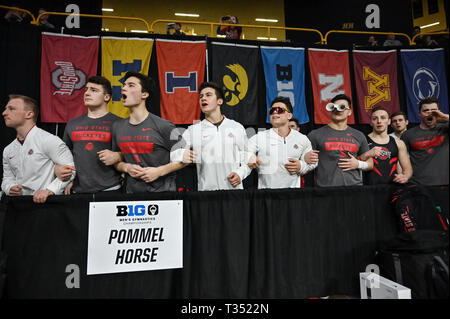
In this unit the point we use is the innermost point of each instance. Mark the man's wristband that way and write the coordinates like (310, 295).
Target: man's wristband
(362, 165)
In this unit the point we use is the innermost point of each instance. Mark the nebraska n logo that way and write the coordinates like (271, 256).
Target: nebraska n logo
(377, 87)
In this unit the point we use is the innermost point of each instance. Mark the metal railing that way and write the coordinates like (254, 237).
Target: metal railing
(33, 19)
(364, 32)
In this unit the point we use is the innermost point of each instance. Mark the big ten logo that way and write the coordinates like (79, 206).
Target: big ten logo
(118, 69)
(137, 210)
(285, 85)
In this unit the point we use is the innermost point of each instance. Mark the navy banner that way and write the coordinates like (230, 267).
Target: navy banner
(284, 70)
(424, 74)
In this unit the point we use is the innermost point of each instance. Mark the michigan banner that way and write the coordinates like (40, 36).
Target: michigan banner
(181, 69)
(284, 71)
(424, 75)
(67, 62)
(235, 68)
(120, 55)
(376, 81)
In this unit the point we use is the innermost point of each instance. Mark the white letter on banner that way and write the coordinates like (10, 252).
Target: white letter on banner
(334, 83)
(373, 19)
(73, 21)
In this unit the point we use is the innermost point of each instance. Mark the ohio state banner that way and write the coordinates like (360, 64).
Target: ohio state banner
(235, 68)
(120, 55)
(330, 76)
(376, 81)
(424, 75)
(181, 69)
(67, 62)
(284, 71)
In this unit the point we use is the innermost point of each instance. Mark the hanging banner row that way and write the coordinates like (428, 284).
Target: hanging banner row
(68, 61)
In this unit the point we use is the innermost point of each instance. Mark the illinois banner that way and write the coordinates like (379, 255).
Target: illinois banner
(120, 55)
(284, 71)
(424, 74)
(67, 62)
(235, 67)
(330, 76)
(181, 69)
(376, 81)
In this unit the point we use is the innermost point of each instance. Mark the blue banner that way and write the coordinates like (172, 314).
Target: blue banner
(284, 70)
(424, 74)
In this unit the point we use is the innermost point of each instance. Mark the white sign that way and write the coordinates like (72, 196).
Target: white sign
(135, 236)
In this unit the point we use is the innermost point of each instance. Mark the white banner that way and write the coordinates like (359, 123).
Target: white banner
(135, 236)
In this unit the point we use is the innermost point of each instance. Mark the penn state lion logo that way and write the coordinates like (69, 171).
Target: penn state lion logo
(235, 85)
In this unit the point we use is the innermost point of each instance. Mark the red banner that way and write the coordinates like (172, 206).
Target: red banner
(376, 82)
(181, 67)
(330, 76)
(67, 63)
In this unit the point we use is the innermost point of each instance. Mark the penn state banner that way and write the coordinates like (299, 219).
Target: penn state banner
(235, 68)
(66, 64)
(376, 81)
(330, 76)
(120, 55)
(284, 71)
(424, 76)
(181, 69)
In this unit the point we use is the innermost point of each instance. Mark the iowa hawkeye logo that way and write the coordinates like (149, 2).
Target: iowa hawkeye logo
(235, 84)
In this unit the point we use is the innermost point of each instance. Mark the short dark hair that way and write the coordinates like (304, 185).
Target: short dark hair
(399, 113)
(147, 83)
(285, 100)
(295, 120)
(428, 100)
(342, 97)
(104, 82)
(30, 103)
(215, 86)
(380, 108)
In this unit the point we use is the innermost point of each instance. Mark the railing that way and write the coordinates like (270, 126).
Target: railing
(427, 33)
(33, 19)
(365, 32)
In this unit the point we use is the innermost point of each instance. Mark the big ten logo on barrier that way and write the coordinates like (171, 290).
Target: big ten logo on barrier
(73, 20)
(137, 210)
(120, 68)
(285, 85)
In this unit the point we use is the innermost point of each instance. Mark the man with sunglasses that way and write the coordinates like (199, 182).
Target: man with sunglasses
(337, 147)
(280, 151)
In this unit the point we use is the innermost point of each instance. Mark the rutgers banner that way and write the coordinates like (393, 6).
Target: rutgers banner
(235, 68)
(424, 74)
(181, 69)
(284, 70)
(330, 76)
(120, 55)
(376, 81)
(67, 62)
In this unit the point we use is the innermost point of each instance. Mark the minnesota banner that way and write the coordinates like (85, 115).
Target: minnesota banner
(284, 71)
(67, 62)
(376, 81)
(120, 55)
(424, 75)
(330, 76)
(235, 67)
(181, 69)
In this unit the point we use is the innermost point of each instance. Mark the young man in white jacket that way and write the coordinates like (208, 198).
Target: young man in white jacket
(29, 160)
(218, 143)
(279, 153)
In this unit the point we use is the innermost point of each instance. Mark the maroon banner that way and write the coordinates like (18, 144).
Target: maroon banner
(67, 63)
(376, 82)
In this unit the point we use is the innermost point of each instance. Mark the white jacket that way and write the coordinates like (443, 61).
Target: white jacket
(32, 164)
(274, 152)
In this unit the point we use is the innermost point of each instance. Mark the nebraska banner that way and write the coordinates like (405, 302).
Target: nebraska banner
(330, 76)
(376, 81)
(181, 69)
(120, 55)
(235, 68)
(67, 62)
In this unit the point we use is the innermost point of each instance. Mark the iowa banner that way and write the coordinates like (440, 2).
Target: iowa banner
(120, 55)
(67, 62)
(284, 71)
(330, 76)
(235, 67)
(181, 69)
(424, 75)
(376, 81)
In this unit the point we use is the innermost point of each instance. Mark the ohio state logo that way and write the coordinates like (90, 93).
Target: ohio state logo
(67, 78)
(385, 154)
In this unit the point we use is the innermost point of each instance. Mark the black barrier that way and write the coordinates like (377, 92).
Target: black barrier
(236, 244)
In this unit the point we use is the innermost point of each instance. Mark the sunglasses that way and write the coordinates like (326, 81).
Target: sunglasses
(278, 110)
(340, 107)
